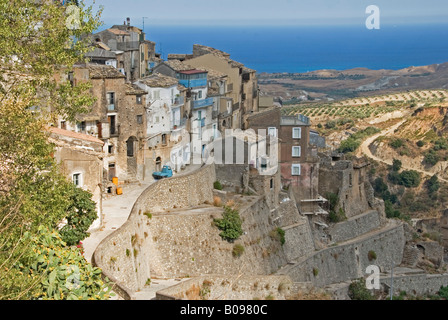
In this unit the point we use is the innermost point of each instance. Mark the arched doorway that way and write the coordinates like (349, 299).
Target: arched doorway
(158, 164)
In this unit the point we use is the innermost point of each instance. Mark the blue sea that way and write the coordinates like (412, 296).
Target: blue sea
(308, 48)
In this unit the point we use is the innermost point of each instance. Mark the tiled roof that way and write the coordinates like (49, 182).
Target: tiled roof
(75, 135)
(118, 32)
(133, 89)
(178, 65)
(158, 80)
(222, 55)
(100, 71)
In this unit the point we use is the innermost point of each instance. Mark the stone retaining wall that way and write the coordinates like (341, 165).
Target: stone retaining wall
(125, 255)
(355, 226)
(218, 287)
(349, 261)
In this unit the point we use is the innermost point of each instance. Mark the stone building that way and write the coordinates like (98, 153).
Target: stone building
(126, 48)
(117, 117)
(241, 86)
(166, 123)
(81, 159)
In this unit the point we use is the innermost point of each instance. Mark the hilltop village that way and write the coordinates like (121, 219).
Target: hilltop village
(310, 223)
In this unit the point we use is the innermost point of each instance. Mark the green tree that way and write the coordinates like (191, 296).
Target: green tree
(81, 213)
(37, 50)
(396, 165)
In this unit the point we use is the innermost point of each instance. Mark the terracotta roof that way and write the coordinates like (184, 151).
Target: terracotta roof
(178, 65)
(76, 135)
(118, 32)
(158, 80)
(133, 89)
(100, 71)
(222, 55)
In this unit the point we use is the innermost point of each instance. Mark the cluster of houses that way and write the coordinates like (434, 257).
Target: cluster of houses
(150, 112)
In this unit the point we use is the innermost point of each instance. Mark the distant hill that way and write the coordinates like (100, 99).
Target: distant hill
(358, 82)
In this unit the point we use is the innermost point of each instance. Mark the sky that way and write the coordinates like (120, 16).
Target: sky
(269, 12)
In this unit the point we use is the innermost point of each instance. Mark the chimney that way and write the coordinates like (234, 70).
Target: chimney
(129, 21)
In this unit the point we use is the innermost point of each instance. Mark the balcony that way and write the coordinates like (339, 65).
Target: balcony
(197, 104)
(178, 101)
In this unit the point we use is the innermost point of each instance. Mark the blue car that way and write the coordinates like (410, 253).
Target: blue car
(165, 173)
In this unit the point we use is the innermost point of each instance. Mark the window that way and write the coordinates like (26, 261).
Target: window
(77, 179)
(139, 99)
(110, 98)
(271, 184)
(112, 124)
(200, 94)
(63, 125)
(140, 119)
(296, 133)
(295, 170)
(272, 131)
(156, 95)
(81, 126)
(110, 149)
(296, 151)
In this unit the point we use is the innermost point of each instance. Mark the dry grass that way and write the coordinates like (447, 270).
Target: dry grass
(217, 201)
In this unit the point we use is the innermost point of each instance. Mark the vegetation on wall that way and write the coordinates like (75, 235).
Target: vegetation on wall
(230, 224)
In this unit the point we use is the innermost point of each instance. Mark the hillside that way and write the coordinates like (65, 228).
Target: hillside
(328, 85)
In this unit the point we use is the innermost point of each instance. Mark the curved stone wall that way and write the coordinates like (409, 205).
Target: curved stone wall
(124, 256)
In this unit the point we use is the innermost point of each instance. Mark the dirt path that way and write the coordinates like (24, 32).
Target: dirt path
(364, 149)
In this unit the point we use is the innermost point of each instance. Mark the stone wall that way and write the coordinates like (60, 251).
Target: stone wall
(355, 226)
(183, 242)
(348, 261)
(416, 284)
(218, 287)
(125, 255)
(178, 192)
(349, 183)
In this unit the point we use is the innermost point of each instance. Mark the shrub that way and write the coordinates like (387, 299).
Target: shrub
(410, 178)
(358, 290)
(338, 216)
(80, 215)
(433, 184)
(396, 165)
(371, 255)
(396, 143)
(61, 273)
(315, 272)
(230, 224)
(217, 185)
(420, 143)
(278, 234)
(238, 250)
(431, 158)
(443, 292)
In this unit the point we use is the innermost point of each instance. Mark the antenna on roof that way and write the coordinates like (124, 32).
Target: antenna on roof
(144, 23)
